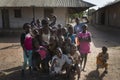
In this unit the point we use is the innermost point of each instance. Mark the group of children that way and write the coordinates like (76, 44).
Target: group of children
(53, 49)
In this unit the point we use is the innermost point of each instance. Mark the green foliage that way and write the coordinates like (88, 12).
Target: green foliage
(72, 16)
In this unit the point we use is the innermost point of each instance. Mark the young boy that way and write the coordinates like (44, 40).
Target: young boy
(71, 33)
(75, 57)
(102, 59)
(59, 62)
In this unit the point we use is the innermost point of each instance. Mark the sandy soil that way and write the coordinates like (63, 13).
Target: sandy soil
(11, 58)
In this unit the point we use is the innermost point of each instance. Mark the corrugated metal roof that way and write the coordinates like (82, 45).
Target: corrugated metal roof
(112, 3)
(44, 3)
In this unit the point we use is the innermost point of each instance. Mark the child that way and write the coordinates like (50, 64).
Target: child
(71, 33)
(59, 61)
(52, 45)
(45, 33)
(67, 45)
(84, 47)
(26, 53)
(65, 32)
(75, 57)
(102, 59)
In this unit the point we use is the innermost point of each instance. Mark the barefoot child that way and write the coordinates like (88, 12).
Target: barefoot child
(102, 59)
(84, 47)
(75, 57)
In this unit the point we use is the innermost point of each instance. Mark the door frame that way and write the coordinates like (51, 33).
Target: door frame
(5, 18)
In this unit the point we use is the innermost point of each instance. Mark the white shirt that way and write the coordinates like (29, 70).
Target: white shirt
(60, 62)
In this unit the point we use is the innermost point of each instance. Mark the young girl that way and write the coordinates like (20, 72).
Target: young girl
(26, 43)
(84, 47)
(102, 59)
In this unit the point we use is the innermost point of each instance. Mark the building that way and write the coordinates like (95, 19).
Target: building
(14, 13)
(108, 15)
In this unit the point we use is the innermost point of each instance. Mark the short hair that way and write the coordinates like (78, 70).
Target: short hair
(70, 27)
(104, 48)
(59, 49)
(85, 25)
(77, 18)
(26, 25)
(44, 22)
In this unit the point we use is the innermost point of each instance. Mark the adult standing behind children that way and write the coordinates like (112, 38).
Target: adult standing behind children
(79, 24)
(84, 47)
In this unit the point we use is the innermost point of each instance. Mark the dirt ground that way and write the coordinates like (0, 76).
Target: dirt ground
(11, 57)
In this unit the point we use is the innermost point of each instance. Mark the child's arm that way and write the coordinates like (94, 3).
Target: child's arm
(22, 38)
(107, 57)
(99, 56)
(53, 63)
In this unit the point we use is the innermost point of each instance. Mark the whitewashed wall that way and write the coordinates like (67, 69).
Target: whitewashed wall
(27, 16)
(61, 14)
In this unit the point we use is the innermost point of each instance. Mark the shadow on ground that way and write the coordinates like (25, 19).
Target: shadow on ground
(95, 75)
(11, 47)
(15, 74)
(10, 39)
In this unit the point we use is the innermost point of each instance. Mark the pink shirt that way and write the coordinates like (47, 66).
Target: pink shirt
(84, 45)
(42, 52)
(28, 42)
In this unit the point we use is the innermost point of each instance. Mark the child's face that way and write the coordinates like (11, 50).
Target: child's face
(74, 48)
(36, 44)
(84, 28)
(51, 40)
(68, 40)
(59, 54)
(61, 40)
(70, 31)
(104, 49)
(64, 31)
(27, 29)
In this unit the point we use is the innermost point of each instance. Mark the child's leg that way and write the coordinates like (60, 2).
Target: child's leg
(85, 60)
(78, 71)
(82, 57)
(25, 61)
(106, 68)
(97, 67)
(30, 58)
(24, 64)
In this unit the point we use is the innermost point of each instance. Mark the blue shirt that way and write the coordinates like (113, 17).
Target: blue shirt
(78, 28)
(72, 36)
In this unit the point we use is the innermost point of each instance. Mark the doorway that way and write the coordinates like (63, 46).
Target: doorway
(5, 19)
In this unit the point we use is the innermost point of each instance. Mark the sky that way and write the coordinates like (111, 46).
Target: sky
(99, 3)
